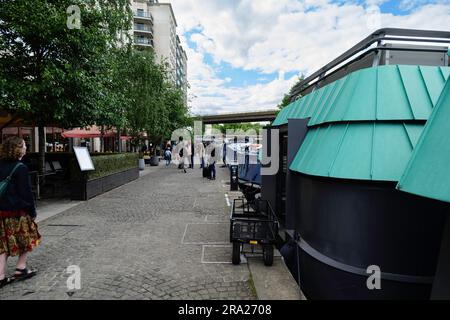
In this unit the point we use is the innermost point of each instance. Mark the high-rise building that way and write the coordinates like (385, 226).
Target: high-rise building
(142, 24)
(181, 69)
(155, 27)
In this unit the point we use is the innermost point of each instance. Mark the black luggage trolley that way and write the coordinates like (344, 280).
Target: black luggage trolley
(255, 224)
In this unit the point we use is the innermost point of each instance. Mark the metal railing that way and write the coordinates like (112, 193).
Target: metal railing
(363, 48)
(143, 14)
(138, 27)
(143, 41)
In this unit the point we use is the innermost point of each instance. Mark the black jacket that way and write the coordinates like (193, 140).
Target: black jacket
(19, 194)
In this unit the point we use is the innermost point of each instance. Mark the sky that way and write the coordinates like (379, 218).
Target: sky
(244, 55)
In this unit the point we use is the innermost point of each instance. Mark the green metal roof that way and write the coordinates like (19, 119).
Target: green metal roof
(428, 171)
(362, 151)
(380, 93)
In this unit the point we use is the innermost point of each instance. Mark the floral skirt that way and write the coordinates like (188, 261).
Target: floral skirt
(18, 233)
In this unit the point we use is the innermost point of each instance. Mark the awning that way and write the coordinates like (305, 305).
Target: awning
(91, 132)
(8, 120)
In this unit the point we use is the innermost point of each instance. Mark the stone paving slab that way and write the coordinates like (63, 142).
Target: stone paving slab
(128, 244)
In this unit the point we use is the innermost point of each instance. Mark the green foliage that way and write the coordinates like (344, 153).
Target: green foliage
(285, 102)
(50, 73)
(153, 104)
(238, 127)
(287, 97)
(53, 75)
(112, 163)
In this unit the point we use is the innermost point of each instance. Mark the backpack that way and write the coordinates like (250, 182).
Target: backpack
(4, 184)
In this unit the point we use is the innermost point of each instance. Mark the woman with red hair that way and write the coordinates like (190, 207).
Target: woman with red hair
(18, 231)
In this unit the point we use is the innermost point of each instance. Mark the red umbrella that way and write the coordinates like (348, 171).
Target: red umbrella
(92, 132)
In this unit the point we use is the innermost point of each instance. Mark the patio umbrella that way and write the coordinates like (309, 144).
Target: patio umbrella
(91, 132)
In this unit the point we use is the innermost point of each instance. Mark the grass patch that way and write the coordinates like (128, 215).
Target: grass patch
(251, 286)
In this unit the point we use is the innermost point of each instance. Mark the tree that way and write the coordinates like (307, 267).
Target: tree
(142, 86)
(154, 105)
(243, 127)
(177, 111)
(287, 97)
(52, 74)
(286, 101)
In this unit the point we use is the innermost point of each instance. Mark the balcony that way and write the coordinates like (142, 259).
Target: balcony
(146, 42)
(143, 29)
(143, 15)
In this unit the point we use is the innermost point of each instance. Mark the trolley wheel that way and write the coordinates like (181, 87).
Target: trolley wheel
(236, 253)
(268, 255)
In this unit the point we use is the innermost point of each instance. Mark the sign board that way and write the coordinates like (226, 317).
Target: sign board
(84, 158)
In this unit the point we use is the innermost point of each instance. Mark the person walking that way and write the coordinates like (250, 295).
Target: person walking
(191, 165)
(168, 155)
(212, 159)
(18, 230)
(182, 154)
(201, 153)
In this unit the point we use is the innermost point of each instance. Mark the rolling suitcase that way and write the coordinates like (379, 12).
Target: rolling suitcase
(206, 172)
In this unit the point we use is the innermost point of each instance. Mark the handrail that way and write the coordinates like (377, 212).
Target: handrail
(386, 34)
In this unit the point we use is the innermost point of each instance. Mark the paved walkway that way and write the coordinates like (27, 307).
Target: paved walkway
(164, 236)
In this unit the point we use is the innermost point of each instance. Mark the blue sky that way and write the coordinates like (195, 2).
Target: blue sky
(234, 77)
(246, 54)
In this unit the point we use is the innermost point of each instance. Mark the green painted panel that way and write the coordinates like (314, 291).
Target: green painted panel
(353, 160)
(428, 172)
(379, 93)
(291, 110)
(361, 151)
(434, 79)
(392, 101)
(300, 113)
(446, 72)
(318, 160)
(282, 116)
(416, 91)
(332, 106)
(391, 151)
(321, 100)
(362, 105)
(414, 131)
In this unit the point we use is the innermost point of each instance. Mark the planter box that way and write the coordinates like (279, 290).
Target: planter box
(85, 190)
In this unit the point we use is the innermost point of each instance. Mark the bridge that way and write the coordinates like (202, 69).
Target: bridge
(258, 116)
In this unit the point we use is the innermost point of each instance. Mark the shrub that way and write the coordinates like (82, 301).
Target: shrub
(105, 164)
(112, 163)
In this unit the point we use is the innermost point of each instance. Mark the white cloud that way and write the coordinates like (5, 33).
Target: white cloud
(273, 36)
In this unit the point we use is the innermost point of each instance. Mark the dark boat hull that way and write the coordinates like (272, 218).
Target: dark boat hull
(347, 226)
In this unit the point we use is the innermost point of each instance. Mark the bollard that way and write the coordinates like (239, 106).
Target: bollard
(141, 164)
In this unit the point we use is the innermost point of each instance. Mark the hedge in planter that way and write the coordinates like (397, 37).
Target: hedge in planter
(105, 164)
(111, 171)
(112, 163)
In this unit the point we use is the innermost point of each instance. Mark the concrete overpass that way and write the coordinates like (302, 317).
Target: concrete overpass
(258, 116)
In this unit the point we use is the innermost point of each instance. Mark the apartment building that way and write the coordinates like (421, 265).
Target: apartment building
(155, 27)
(181, 68)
